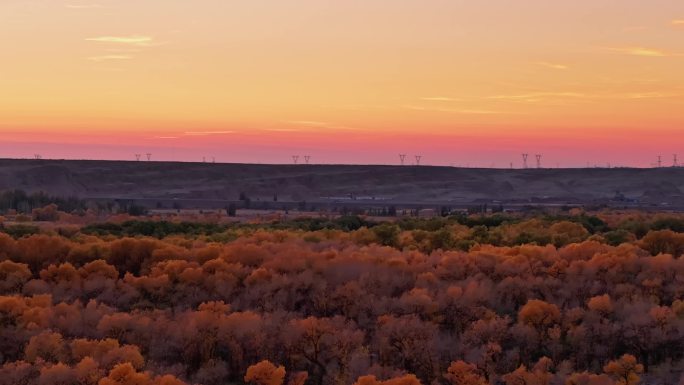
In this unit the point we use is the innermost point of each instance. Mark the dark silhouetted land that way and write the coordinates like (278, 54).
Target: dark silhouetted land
(212, 185)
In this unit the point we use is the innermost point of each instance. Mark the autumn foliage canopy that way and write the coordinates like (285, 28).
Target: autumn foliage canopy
(450, 304)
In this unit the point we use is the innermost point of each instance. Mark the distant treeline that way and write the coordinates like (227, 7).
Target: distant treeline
(456, 232)
(161, 229)
(343, 223)
(157, 229)
(24, 203)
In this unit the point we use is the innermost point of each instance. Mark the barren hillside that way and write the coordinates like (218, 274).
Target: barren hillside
(220, 182)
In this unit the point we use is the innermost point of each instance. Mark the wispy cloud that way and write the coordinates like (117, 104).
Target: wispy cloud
(317, 124)
(554, 66)
(646, 95)
(109, 69)
(630, 81)
(282, 130)
(309, 123)
(124, 40)
(207, 133)
(165, 137)
(536, 96)
(479, 112)
(122, 50)
(83, 6)
(642, 51)
(454, 110)
(109, 57)
(678, 23)
(439, 99)
(542, 96)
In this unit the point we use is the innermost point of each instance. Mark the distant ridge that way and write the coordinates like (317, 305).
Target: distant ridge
(210, 184)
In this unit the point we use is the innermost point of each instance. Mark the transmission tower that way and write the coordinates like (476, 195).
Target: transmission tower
(524, 156)
(402, 158)
(38, 156)
(149, 156)
(307, 158)
(137, 157)
(295, 159)
(418, 158)
(660, 161)
(539, 157)
(675, 162)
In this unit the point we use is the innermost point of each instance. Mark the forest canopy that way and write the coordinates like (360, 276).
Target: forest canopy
(497, 299)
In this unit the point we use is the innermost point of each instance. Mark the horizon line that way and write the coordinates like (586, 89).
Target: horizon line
(603, 167)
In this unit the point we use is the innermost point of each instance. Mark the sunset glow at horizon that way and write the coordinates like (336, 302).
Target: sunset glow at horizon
(459, 82)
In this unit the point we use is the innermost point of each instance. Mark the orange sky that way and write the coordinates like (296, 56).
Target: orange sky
(357, 81)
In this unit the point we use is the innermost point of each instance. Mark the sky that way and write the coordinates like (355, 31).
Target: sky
(461, 83)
